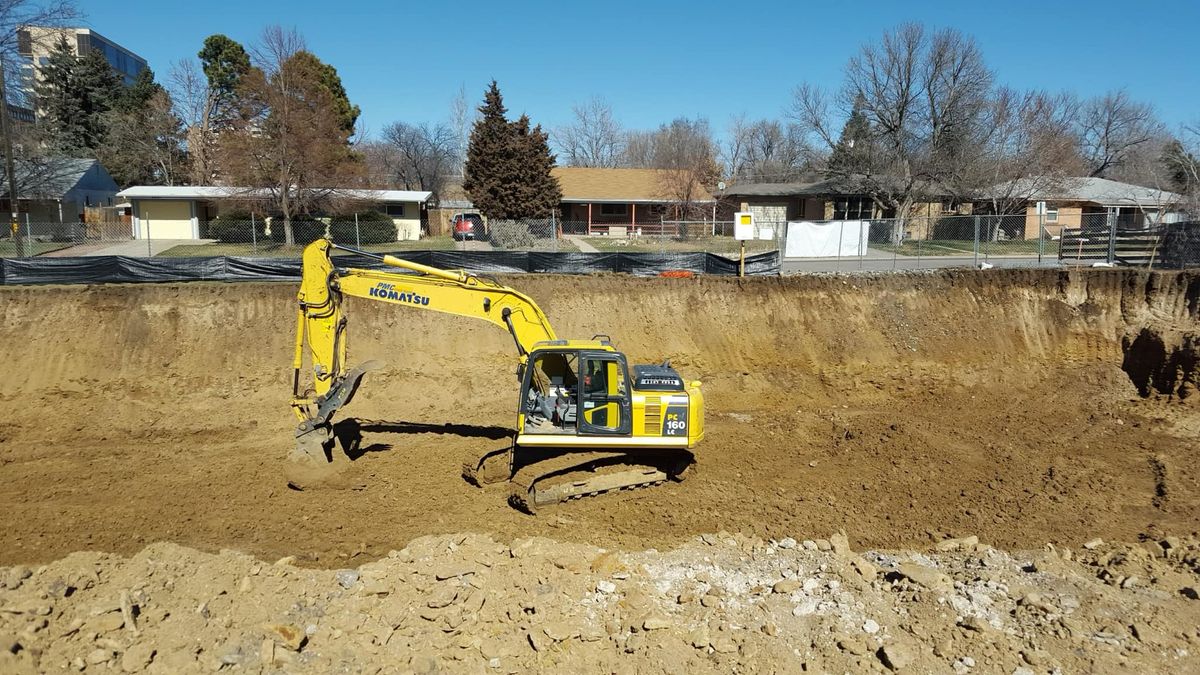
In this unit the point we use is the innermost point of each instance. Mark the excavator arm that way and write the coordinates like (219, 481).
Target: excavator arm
(321, 326)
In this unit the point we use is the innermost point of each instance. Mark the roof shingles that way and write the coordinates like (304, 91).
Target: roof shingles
(581, 184)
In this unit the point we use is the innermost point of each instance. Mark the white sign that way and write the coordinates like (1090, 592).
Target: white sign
(1041, 208)
(838, 238)
(743, 225)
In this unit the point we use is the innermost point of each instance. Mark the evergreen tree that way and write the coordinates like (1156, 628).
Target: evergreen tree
(225, 62)
(507, 173)
(852, 154)
(1183, 168)
(137, 95)
(62, 112)
(539, 191)
(74, 95)
(97, 85)
(329, 79)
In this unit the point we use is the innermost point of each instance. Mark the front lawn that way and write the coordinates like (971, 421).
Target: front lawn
(8, 249)
(273, 250)
(726, 246)
(965, 247)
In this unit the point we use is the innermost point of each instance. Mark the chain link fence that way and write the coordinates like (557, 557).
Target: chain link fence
(1081, 239)
(1116, 237)
(31, 238)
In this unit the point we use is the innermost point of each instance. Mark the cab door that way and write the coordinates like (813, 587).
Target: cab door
(604, 395)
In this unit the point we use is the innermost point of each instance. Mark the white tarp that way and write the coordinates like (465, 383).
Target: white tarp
(827, 239)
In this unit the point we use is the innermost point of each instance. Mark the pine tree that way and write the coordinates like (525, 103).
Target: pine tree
(332, 82)
(137, 95)
(853, 151)
(225, 63)
(508, 165)
(539, 190)
(63, 117)
(74, 95)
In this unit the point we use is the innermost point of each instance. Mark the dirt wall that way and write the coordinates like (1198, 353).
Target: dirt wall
(912, 405)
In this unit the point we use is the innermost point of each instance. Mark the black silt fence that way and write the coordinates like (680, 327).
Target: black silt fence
(121, 269)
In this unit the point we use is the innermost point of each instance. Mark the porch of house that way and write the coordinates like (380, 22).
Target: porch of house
(615, 218)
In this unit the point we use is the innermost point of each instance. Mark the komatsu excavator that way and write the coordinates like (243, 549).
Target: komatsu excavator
(584, 426)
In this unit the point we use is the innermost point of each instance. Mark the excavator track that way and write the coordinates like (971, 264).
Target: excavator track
(534, 487)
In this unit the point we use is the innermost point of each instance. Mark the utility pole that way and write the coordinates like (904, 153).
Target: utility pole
(6, 131)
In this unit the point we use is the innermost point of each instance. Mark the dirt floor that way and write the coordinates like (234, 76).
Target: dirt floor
(1024, 407)
(901, 407)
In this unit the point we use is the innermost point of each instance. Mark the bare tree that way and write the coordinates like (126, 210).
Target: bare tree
(16, 16)
(205, 97)
(1181, 159)
(145, 143)
(1025, 147)
(419, 156)
(764, 151)
(462, 119)
(686, 154)
(922, 94)
(593, 139)
(1111, 128)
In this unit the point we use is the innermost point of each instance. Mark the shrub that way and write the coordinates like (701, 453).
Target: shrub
(234, 228)
(305, 229)
(373, 228)
(511, 234)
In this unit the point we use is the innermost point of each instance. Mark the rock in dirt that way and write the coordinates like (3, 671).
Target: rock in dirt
(787, 586)
(286, 634)
(136, 658)
(896, 656)
(926, 576)
(347, 578)
(656, 623)
(959, 544)
(840, 544)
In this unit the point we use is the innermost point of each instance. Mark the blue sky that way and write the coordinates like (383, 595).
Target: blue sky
(653, 61)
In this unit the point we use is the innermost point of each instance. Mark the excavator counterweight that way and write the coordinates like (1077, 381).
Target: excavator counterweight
(585, 424)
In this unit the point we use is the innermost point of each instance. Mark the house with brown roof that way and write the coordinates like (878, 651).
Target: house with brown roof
(619, 201)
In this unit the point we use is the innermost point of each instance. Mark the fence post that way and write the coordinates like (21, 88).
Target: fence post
(841, 233)
(149, 250)
(976, 245)
(1112, 237)
(357, 236)
(919, 238)
(28, 252)
(253, 235)
(1041, 237)
(895, 244)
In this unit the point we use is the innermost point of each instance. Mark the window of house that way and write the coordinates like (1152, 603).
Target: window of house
(394, 209)
(1051, 213)
(614, 209)
(853, 208)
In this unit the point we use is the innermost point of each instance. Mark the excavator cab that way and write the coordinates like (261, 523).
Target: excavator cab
(578, 391)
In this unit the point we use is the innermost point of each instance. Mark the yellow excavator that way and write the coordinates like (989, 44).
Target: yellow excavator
(584, 426)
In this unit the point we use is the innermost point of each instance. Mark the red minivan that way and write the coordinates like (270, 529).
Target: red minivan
(466, 226)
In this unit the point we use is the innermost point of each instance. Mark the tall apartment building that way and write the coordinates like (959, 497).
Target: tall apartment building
(35, 44)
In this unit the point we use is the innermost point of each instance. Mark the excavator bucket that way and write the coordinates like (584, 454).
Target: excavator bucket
(315, 461)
